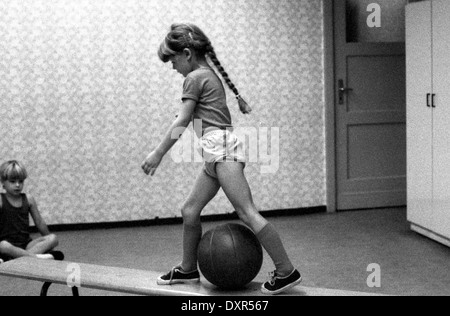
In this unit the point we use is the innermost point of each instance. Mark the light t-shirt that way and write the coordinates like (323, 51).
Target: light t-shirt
(204, 87)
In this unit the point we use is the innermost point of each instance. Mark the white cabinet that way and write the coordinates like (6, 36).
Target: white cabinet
(428, 117)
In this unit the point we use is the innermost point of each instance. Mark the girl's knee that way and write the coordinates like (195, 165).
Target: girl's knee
(52, 239)
(244, 216)
(252, 218)
(190, 215)
(4, 246)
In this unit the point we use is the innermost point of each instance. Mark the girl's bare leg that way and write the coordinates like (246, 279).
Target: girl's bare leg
(12, 251)
(43, 245)
(235, 185)
(204, 190)
(36, 248)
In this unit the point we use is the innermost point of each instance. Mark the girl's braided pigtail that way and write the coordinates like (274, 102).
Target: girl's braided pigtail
(243, 106)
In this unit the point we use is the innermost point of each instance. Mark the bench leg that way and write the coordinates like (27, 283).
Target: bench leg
(75, 291)
(46, 286)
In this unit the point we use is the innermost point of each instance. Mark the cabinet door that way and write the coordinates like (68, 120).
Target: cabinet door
(419, 116)
(441, 143)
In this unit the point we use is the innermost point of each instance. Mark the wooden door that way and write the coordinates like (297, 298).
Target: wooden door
(370, 105)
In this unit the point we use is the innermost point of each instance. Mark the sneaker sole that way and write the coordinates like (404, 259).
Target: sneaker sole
(160, 281)
(287, 287)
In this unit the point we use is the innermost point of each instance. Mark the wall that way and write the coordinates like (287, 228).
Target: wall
(84, 98)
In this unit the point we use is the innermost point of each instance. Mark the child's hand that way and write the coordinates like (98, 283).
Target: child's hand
(151, 163)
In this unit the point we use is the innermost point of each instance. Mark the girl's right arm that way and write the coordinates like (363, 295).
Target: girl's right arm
(153, 160)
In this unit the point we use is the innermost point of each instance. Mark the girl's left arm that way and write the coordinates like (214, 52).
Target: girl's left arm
(37, 218)
(153, 160)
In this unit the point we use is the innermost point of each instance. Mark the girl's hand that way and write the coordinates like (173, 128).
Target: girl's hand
(151, 163)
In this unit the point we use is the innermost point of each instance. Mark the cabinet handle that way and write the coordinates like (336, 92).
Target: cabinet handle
(433, 96)
(428, 100)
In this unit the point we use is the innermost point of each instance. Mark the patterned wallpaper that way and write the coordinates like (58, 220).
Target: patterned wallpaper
(84, 98)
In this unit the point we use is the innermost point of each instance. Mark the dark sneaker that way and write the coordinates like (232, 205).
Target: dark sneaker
(58, 255)
(277, 285)
(178, 276)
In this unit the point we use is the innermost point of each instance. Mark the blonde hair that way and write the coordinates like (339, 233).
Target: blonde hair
(12, 170)
(190, 36)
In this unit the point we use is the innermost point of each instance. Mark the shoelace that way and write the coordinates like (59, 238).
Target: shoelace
(272, 278)
(172, 272)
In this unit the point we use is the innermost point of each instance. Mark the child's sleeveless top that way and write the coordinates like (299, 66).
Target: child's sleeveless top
(14, 222)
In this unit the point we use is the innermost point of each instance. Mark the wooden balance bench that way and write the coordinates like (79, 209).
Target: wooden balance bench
(130, 281)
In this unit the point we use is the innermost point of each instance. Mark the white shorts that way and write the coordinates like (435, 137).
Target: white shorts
(220, 146)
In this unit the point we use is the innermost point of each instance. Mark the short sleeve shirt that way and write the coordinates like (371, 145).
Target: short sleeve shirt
(204, 87)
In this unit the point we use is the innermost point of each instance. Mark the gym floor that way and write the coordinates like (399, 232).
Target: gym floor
(331, 250)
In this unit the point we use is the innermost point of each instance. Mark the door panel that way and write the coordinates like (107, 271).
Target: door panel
(393, 20)
(370, 94)
(367, 161)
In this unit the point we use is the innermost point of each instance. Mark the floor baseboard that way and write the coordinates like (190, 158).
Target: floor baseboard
(178, 220)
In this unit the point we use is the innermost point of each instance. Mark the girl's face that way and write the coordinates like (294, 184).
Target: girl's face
(13, 187)
(181, 63)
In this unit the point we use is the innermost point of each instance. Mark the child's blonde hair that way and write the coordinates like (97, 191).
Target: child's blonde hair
(190, 36)
(12, 170)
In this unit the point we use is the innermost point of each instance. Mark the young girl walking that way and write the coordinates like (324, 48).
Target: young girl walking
(204, 100)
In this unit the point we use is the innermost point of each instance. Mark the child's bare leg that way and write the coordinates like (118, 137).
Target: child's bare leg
(43, 245)
(205, 188)
(12, 251)
(235, 185)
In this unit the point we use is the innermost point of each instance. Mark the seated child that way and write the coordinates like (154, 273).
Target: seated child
(15, 207)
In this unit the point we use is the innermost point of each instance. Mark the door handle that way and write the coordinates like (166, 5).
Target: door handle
(342, 91)
(433, 103)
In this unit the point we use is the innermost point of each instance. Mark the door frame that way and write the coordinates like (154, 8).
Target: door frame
(330, 110)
